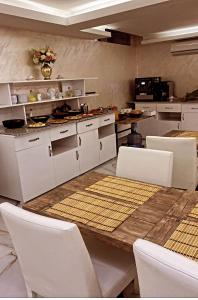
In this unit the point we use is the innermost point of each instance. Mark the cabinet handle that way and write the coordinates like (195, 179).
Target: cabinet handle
(194, 108)
(88, 125)
(50, 150)
(80, 141)
(100, 146)
(77, 155)
(64, 131)
(183, 117)
(168, 107)
(34, 140)
(107, 120)
(178, 126)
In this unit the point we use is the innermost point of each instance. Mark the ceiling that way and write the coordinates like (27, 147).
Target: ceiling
(154, 20)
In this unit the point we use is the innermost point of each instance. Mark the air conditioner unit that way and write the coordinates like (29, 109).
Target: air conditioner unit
(187, 47)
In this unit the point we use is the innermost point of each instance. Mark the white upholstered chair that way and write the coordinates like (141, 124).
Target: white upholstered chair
(164, 273)
(55, 262)
(184, 158)
(151, 166)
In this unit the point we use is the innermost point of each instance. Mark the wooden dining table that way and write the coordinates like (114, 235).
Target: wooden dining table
(155, 220)
(182, 133)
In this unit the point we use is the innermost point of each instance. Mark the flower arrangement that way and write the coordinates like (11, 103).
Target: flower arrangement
(43, 56)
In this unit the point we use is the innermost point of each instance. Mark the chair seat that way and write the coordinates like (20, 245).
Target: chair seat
(114, 268)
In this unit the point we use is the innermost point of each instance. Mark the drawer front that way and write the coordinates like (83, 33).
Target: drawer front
(61, 132)
(190, 107)
(87, 125)
(31, 140)
(108, 119)
(148, 107)
(169, 107)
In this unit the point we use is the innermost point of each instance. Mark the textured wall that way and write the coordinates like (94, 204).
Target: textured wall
(156, 60)
(114, 65)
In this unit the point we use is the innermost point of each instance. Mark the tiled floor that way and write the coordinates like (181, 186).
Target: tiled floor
(11, 280)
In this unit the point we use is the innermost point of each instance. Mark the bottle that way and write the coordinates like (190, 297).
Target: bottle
(32, 97)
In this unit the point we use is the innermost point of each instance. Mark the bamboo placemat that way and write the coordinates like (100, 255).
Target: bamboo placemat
(120, 188)
(189, 134)
(184, 240)
(93, 210)
(194, 212)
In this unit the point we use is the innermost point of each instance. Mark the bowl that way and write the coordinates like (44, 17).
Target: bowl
(135, 113)
(13, 123)
(38, 119)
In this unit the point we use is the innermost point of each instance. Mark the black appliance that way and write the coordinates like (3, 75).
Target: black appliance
(153, 89)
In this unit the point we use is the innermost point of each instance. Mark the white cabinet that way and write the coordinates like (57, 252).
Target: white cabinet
(107, 148)
(66, 166)
(89, 156)
(148, 127)
(35, 171)
(65, 158)
(165, 126)
(190, 121)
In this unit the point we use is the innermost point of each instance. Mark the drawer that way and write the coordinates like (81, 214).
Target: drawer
(87, 125)
(169, 107)
(148, 107)
(190, 107)
(31, 140)
(105, 120)
(63, 131)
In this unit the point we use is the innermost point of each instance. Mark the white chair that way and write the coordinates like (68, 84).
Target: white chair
(164, 273)
(184, 158)
(151, 166)
(55, 262)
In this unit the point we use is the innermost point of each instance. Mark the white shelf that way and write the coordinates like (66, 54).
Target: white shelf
(47, 81)
(49, 100)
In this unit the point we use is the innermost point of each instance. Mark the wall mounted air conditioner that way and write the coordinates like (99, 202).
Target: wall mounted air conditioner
(187, 47)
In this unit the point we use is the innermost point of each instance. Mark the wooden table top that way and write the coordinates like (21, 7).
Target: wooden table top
(132, 120)
(177, 133)
(155, 220)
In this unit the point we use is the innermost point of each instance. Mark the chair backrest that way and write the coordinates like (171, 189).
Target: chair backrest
(164, 273)
(184, 158)
(52, 255)
(151, 166)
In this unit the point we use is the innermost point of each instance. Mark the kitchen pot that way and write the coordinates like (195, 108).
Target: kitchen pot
(13, 123)
(42, 119)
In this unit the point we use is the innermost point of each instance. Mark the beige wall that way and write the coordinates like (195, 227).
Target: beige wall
(114, 65)
(156, 60)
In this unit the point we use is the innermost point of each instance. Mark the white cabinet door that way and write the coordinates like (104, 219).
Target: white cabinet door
(190, 121)
(35, 171)
(148, 127)
(107, 148)
(89, 156)
(165, 126)
(66, 166)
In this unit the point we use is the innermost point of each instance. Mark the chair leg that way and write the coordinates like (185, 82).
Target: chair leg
(132, 290)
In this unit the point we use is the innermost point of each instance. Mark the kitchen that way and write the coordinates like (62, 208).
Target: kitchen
(91, 84)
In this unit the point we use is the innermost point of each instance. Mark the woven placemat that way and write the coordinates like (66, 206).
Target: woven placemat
(184, 240)
(93, 210)
(194, 212)
(189, 134)
(120, 188)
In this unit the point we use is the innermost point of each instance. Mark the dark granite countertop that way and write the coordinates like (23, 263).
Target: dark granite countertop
(17, 132)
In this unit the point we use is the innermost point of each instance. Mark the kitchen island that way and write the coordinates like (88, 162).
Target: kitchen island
(34, 161)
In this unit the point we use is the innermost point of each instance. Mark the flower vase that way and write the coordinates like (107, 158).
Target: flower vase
(46, 71)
